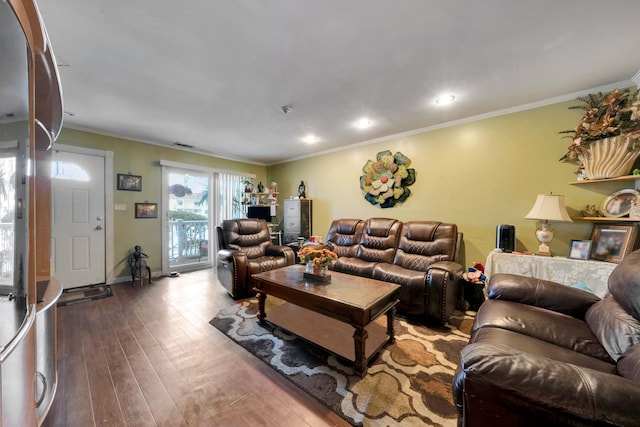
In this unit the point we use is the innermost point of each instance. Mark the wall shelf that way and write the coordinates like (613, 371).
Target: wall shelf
(634, 178)
(605, 219)
(621, 179)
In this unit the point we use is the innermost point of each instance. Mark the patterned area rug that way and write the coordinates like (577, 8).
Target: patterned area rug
(84, 293)
(408, 384)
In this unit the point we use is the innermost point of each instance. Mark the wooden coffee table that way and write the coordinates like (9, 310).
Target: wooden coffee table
(339, 316)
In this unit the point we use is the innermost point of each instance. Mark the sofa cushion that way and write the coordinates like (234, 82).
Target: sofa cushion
(250, 236)
(379, 240)
(541, 293)
(355, 266)
(424, 242)
(412, 292)
(624, 283)
(344, 236)
(546, 325)
(629, 364)
(614, 327)
(533, 345)
(265, 263)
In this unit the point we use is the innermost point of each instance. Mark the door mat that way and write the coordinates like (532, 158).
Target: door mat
(84, 293)
(409, 383)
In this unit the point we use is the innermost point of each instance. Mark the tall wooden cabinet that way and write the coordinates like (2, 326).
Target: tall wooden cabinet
(297, 220)
(31, 111)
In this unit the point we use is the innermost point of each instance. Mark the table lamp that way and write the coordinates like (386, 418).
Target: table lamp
(547, 208)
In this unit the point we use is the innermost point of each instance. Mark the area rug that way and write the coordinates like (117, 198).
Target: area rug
(407, 384)
(84, 293)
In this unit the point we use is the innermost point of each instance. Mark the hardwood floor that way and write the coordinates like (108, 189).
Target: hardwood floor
(148, 357)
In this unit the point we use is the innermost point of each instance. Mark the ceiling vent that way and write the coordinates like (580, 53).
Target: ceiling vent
(180, 144)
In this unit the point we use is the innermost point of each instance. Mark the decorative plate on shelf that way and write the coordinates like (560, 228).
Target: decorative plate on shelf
(619, 203)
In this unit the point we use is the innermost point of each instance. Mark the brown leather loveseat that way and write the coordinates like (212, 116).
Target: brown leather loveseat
(421, 256)
(545, 354)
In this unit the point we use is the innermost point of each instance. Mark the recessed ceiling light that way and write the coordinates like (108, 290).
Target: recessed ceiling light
(364, 123)
(311, 139)
(445, 99)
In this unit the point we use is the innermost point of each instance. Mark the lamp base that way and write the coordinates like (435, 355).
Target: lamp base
(544, 234)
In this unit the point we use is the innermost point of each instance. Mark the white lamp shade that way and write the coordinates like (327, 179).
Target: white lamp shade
(549, 208)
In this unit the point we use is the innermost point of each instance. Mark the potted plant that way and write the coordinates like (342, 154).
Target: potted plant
(606, 141)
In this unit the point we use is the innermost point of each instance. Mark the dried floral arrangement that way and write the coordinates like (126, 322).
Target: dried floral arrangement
(606, 115)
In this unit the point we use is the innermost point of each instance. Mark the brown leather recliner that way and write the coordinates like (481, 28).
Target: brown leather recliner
(421, 256)
(248, 250)
(546, 354)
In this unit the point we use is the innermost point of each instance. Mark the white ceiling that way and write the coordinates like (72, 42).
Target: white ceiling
(214, 74)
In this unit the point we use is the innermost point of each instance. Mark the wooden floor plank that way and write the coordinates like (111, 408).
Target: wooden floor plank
(148, 357)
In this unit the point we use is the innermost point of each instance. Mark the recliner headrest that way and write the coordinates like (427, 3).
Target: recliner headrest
(624, 283)
(347, 226)
(380, 227)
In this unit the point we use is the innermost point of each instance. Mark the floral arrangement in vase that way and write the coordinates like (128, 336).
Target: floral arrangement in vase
(320, 258)
(614, 118)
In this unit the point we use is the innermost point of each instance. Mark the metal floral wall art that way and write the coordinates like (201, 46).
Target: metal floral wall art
(386, 179)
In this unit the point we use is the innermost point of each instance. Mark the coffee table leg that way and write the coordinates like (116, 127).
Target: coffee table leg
(391, 314)
(261, 313)
(359, 339)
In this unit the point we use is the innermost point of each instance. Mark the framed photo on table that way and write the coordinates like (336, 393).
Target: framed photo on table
(580, 249)
(146, 210)
(612, 242)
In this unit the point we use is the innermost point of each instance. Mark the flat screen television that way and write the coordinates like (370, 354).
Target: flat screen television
(260, 212)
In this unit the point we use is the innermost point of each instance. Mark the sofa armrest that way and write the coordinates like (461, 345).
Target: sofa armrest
(541, 293)
(444, 290)
(282, 251)
(227, 254)
(232, 271)
(452, 267)
(510, 387)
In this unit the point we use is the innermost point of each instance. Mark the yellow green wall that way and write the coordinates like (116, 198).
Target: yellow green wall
(477, 175)
(143, 159)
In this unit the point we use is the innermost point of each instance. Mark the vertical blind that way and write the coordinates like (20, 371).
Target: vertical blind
(230, 192)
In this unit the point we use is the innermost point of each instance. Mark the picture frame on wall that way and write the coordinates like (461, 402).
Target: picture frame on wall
(580, 249)
(129, 182)
(612, 243)
(146, 210)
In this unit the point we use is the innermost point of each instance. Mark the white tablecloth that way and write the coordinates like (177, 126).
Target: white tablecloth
(558, 269)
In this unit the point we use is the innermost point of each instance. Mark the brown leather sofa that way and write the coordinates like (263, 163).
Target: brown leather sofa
(421, 256)
(546, 354)
(245, 249)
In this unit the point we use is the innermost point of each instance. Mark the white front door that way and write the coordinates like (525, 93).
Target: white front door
(78, 215)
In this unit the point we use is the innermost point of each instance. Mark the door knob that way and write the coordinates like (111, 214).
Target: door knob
(99, 227)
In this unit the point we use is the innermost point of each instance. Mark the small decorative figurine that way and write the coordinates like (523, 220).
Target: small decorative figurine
(302, 190)
(581, 175)
(260, 187)
(139, 267)
(591, 211)
(248, 186)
